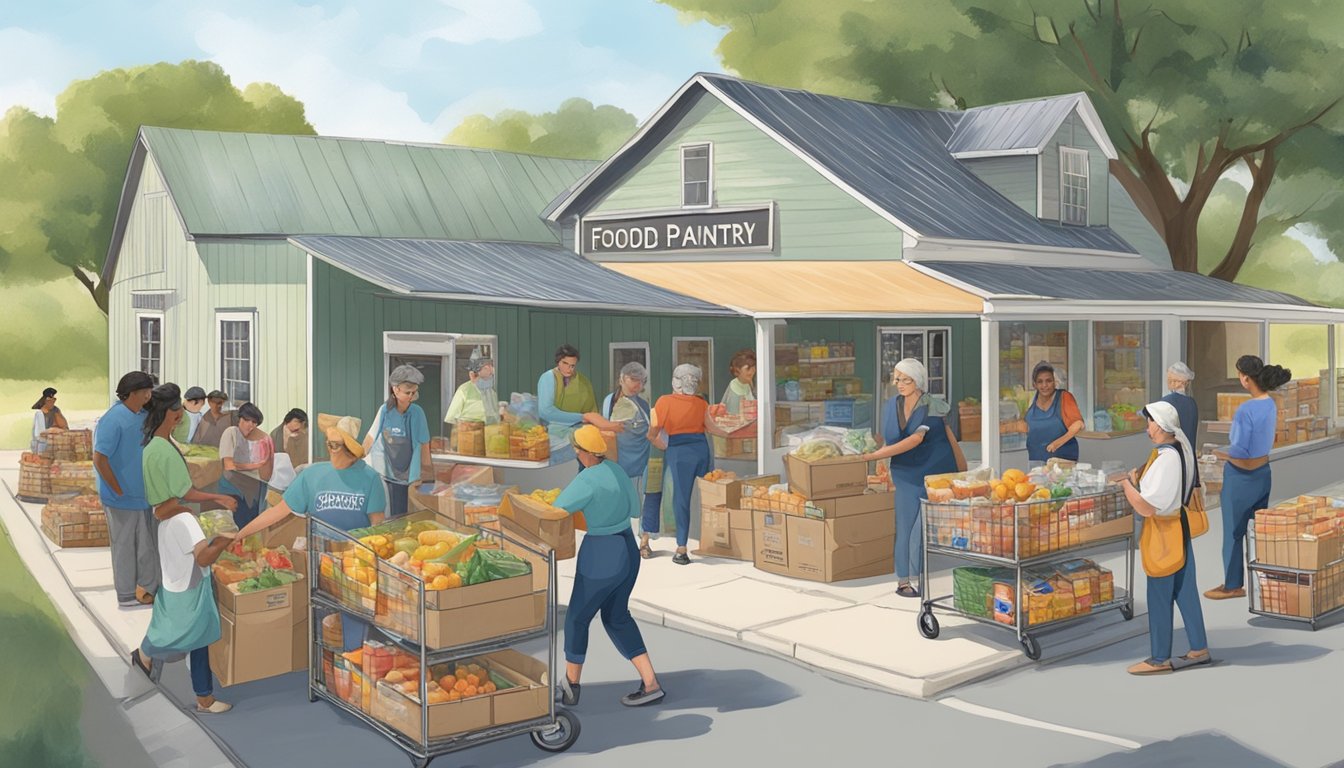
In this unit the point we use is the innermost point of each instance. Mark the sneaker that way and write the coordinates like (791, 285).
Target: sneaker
(127, 602)
(641, 697)
(681, 558)
(569, 692)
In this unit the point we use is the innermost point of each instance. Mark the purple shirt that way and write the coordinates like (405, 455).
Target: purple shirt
(1253, 429)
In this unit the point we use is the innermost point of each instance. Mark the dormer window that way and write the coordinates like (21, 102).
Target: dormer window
(1073, 186)
(696, 175)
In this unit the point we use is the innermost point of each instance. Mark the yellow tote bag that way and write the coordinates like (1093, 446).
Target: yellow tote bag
(1162, 543)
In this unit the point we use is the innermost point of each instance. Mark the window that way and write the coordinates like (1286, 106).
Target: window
(698, 351)
(1073, 186)
(1304, 402)
(1021, 347)
(151, 344)
(622, 352)
(1127, 375)
(696, 175)
(236, 368)
(927, 345)
(430, 354)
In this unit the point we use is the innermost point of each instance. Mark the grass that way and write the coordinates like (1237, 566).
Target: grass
(80, 399)
(41, 698)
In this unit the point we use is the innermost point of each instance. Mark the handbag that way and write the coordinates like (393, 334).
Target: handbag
(1162, 540)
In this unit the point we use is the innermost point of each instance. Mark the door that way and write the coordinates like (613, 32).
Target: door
(432, 355)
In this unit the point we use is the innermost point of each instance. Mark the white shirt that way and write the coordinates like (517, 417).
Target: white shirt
(195, 421)
(1160, 486)
(178, 537)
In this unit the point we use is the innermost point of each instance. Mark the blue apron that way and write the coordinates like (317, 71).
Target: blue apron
(182, 621)
(1045, 427)
(933, 456)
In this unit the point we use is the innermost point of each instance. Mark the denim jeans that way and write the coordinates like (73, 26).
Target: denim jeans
(1167, 593)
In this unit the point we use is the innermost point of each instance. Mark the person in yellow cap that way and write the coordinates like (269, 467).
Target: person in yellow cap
(607, 567)
(345, 493)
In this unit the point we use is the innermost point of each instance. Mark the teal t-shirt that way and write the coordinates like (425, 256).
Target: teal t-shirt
(605, 495)
(165, 472)
(341, 498)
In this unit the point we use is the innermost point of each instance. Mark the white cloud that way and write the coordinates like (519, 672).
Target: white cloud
(482, 20)
(34, 68)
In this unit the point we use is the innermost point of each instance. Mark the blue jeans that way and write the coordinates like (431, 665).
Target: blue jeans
(909, 532)
(1243, 493)
(687, 457)
(604, 577)
(398, 499)
(202, 682)
(1164, 595)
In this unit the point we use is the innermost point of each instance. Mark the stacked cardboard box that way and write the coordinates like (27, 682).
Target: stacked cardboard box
(829, 527)
(725, 522)
(263, 633)
(77, 522)
(1305, 538)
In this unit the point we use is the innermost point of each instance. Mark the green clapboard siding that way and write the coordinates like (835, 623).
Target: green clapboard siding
(352, 316)
(267, 276)
(1014, 177)
(1072, 133)
(816, 219)
(1132, 225)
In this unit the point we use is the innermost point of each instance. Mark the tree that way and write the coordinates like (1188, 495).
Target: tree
(576, 130)
(1191, 92)
(64, 175)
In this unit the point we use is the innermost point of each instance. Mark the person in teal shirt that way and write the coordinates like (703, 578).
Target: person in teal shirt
(397, 445)
(607, 567)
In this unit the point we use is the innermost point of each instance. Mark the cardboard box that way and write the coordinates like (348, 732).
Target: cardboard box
(455, 509)
(728, 493)
(859, 504)
(473, 623)
(283, 534)
(530, 698)
(295, 595)
(770, 542)
(850, 547)
(539, 522)
(1229, 402)
(400, 711)
(828, 478)
(726, 533)
(256, 644)
(1308, 553)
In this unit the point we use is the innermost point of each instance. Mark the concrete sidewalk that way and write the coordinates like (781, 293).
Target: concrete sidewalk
(79, 582)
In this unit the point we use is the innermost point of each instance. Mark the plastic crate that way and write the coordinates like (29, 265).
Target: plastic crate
(853, 412)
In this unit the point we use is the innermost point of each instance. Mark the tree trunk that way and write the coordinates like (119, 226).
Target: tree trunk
(98, 290)
(1262, 175)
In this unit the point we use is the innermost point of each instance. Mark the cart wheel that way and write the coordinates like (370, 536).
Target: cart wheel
(1127, 610)
(560, 737)
(928, 624)
(1031, 647)
(420, 762)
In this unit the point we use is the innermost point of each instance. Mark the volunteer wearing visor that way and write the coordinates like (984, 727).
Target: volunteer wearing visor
(476, 400)
(1162, 488)
(1053, 419)
(684, 417)
(397, 443)
(919, 442)
(606, 569)
(344, 493)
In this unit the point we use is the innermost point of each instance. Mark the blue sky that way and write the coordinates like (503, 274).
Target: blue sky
(395, 69)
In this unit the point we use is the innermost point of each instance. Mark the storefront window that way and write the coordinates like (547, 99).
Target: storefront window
(816, 384)
(698, 351)
(1127, 362)
(1304, 405)
(1211, 351)
(1021, 347)
(1339, 375)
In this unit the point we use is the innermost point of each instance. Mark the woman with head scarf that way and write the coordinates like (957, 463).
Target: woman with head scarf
(1161, 489)
(684, 417)
(1053, 419)
(919, 442)
(1179, 377)
(1246, 477)
(397, 440)
(476, 399)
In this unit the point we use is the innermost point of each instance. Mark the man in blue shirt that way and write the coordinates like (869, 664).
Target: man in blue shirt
(118, 444)
(607, 567)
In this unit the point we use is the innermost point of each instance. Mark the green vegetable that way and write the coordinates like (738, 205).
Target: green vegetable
(1061, 492)
(502, 683)
(501, 565)
(455, 554)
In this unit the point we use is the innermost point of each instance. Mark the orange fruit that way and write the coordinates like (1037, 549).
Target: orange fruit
(454, 696)
(1023, 491)
(460, 686)
(473, 680)
(447, 682)
(461, 673)
(1014, 476)
(471, 691)
(490, 688)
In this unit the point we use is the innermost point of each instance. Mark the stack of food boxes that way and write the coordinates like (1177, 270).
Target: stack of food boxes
(75, 522)
(825, 525)
(1052, 592)
(1302, 414)
(725, 520)
(1305, 537)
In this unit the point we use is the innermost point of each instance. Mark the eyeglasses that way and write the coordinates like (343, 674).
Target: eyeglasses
(335, 447)
(905, 380)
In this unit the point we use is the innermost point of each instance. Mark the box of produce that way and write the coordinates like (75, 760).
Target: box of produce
(497, 440)
(720, 488)
(247, 581)
(818, 471)
(533, 444)
(725, 533)
(540, 522)
(75, 522)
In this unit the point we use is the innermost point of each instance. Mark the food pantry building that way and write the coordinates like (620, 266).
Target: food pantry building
(833, 237)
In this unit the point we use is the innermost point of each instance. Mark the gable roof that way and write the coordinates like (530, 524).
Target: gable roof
(892, 159)
(252, 184)
(1023, 127)
(536, 274)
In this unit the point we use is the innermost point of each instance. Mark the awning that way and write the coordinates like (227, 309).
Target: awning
(526, 274)
(801, 288)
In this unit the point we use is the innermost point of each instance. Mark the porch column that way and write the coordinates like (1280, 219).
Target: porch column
(1171, 351)
(1332, 361)
(765, 392)
(989, 392)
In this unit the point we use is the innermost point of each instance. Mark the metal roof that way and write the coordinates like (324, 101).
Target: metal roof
(895, 158)
(257, 184)
(1106, 284)
(1022, 127)
(534, 274)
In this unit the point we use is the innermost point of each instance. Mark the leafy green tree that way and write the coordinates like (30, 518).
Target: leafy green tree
(64, 176)
(1191, 92)
(577, 130)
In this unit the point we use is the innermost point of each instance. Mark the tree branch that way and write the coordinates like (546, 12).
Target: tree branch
(1087, 58)
(1235, 258)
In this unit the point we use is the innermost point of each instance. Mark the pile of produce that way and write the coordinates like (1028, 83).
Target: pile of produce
(546, 497)
(448, 683)
(204, 452)
(443, 559)
(817, 450)
(254, 570)
(1013, 487)
(720, 476)
(774, 498)
(531, 444)
(216, 521)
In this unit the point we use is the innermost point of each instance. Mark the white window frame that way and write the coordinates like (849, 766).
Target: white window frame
(140, 317)
(238, 317)
(709, 374)
(472, 339)
(614, 346)
(1064, 184)
(926, 331)
(709, 179)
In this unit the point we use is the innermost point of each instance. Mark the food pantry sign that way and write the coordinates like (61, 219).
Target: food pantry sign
(741, 229)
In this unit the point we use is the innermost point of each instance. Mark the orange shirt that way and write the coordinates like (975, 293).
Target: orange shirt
(1068, 409)
(680, 414)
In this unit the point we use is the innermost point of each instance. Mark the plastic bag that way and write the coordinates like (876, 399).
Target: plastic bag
(216, 521)
(523, 409)
(479, 495)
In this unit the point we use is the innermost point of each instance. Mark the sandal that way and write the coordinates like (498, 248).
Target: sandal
(138, 661)
(1147, 667)
(645, 552)
(1221, 592)
(681, 558)
(905, 590)
(1193, 659)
